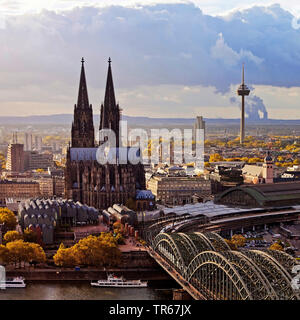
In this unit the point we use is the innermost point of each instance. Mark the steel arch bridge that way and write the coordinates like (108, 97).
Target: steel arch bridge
(209, 267)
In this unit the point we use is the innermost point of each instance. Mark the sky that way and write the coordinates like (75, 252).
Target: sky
(169, 58)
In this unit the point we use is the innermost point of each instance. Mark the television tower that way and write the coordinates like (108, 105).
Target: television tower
(243, 91)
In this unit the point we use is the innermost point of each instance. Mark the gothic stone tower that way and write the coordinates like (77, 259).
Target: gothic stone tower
(86, 180)
(82, 126)
(110, 111)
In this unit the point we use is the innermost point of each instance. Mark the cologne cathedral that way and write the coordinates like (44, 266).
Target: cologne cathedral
(86, 180)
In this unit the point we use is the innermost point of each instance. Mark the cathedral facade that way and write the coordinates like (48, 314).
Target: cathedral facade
(86, 180)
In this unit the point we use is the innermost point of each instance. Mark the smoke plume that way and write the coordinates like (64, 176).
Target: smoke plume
(255, 108)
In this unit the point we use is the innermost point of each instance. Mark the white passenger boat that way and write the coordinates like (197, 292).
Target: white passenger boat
(120, 282)
(16, 282)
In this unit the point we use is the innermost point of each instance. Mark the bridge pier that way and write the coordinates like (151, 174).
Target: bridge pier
(181, 294)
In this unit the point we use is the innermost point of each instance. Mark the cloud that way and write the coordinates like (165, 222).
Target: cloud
(223, 52)
(174, 45)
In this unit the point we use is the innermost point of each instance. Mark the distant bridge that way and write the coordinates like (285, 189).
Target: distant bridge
(205, 266)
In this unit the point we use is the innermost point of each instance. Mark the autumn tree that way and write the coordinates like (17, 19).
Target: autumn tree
(20, 251)
(8, 218)
(254, 160)
(231, 244)
(3, 254)
(296, 162)
(276, 246)
(30, 235)
(91, 251)
(111, 252)
(15, 251)
(38, 253)
(88, 251)
(65, 257)
(239, 240)
(118, 227)
(120, 239)
(215, 157)
(12, 236)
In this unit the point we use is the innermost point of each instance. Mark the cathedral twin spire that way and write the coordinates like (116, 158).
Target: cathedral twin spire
(110, 111)
(83, 127)
(83, 99)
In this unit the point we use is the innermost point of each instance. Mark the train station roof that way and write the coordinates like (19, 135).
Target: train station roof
(262, 195)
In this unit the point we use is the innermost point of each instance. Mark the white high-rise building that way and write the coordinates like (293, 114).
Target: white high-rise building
(27, 141)
(38, 143)
(199, 124)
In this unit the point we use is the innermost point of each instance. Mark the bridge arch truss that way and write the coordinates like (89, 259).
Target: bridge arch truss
(207, 264)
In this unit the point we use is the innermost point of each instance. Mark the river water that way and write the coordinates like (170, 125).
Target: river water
(80, 291)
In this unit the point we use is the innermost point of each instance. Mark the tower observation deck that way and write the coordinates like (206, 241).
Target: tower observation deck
(243, 91)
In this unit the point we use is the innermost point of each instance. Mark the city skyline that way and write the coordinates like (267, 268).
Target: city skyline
(165, 76)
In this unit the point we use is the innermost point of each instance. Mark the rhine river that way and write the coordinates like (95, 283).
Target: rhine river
(80, 291)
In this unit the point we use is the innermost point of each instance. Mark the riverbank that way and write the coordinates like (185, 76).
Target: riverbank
(60, 274)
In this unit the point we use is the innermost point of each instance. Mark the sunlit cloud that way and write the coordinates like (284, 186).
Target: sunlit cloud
(168, 59)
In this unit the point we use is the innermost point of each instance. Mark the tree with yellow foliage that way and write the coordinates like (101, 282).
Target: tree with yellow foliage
(3, 254)
(88, 251)
(118, 227)
(296, 161)
(29, 235)
(111, 252)
(65, 257)
(280, 158)
(254, 160)
(12, 236)
(20, 251)
(276, 246)
(231, 244)
(215, 157)
(119, 238)
(8, 218)
(38, 253)
(206, 164)
(91, 251)
(239, 240)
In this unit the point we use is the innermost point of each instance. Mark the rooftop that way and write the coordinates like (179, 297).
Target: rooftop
(271, 194)
(208, 209)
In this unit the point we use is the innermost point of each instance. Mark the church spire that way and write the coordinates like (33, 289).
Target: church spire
(83, 127)
(109, 100)
(110, 111)
(83, 99)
